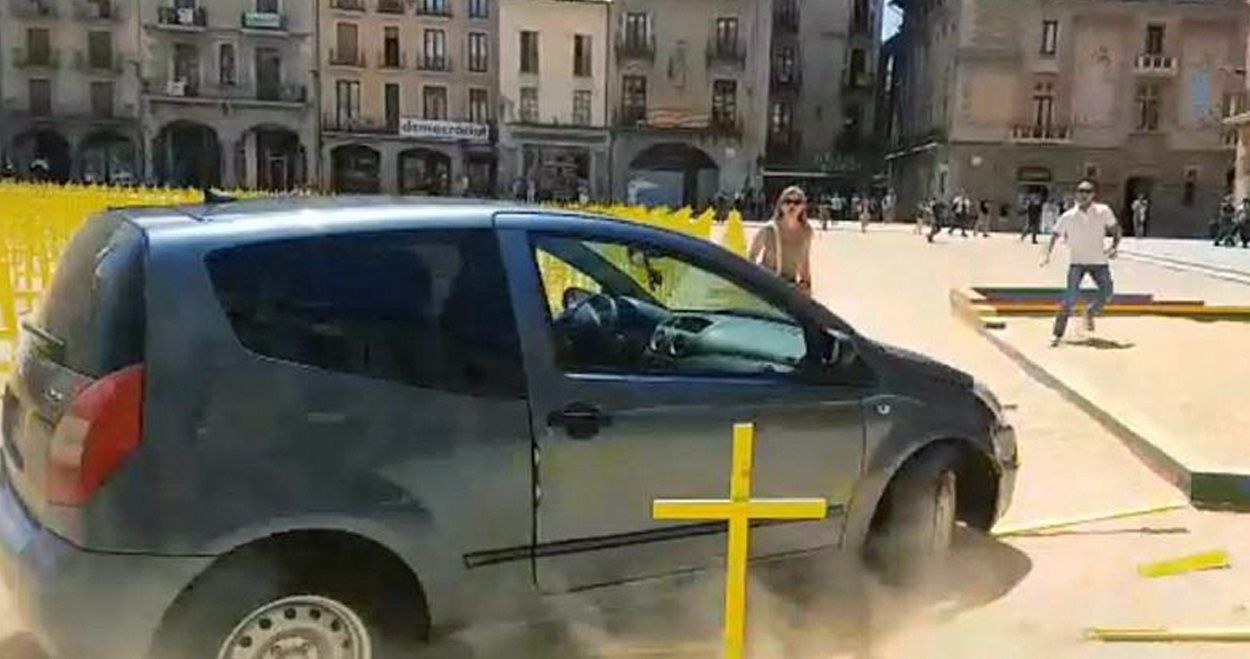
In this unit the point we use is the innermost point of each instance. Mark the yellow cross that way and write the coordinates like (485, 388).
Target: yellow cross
(739, 510)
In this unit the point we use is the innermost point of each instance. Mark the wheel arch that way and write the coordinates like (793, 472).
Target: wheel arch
(977, 480)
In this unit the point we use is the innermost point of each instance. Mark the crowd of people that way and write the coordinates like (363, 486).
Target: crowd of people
(1232, 226)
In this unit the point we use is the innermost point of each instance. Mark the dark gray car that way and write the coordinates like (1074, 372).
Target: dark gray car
(338, 426)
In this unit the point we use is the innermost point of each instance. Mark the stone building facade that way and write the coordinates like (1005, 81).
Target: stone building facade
(821, 100)
(227, 92)
(688, 98)
(409, 92)
(554, 136)
(69, 89)
(1006, 99)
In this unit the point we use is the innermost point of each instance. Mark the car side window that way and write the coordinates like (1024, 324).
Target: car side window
(649, 310)
(426, 308)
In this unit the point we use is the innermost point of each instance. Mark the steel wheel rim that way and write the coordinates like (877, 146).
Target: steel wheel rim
(299, 627)
(944, 511)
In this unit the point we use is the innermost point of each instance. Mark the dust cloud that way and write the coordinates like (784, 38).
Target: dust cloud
(822, 605)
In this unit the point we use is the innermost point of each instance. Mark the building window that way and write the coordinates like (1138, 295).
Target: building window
(581, 107)
(479, 105)
(38, 46)
(435, 42)
(1050, 37)
(858, 73)
(529, 105)
(268, 67)
(102, 99)
(1148, 106)
(434, 102)
(529, 51)
(321, 305)
(727, 35)
(582, 56)
(1154, 39)
(1043, 104)
(100, 50)
(347, 99)
(40, 92)
(346, 45)
(479, 8)
(637, 32)
(786, 66)
(227, 68)
(390, 48)
(479, 55)
(724, 102)
(434, 8)
(634, 105)
(390, 99)
(268, 6)
(781, 118)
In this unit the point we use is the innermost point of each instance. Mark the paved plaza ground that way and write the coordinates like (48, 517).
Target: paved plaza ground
(1023, 596)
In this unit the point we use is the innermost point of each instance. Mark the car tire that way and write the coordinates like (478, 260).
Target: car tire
(251, 604)
(913, 532)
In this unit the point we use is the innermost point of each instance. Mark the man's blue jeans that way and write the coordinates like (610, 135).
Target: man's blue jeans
(1101, 274)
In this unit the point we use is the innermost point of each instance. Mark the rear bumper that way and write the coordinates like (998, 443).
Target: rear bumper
(80, 603)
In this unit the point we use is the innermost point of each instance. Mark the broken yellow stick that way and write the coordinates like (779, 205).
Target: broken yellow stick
(1053, 524)
(1165, 635)
(1209, 560)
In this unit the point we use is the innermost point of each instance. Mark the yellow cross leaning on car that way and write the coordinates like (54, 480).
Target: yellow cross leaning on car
(738, 511)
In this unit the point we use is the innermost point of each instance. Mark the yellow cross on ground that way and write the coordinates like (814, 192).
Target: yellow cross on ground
(739, 510)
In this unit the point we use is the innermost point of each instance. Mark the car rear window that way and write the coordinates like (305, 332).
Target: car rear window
(91, 320)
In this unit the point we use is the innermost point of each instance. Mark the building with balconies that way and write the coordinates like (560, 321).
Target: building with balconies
(69, 89)
(821, 87)
(553, 77)
(408, 95)
(687, 98)
(227, 92)
(1034, 95)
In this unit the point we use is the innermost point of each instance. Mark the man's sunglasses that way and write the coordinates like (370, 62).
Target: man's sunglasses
(1085, 191)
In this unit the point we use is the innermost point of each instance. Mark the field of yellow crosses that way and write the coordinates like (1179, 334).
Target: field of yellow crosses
(37, 220)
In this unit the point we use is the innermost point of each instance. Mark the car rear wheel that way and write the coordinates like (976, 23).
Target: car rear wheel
(268, 605)
(914, 530)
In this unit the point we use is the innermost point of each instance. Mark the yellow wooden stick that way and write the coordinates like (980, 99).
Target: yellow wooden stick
(739, 510)
(1166, 635)
(1054, 524)
(1210, 560)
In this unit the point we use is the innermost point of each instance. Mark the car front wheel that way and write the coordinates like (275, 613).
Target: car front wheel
(914, 528)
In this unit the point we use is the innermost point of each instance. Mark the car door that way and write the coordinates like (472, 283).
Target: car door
(612, 433)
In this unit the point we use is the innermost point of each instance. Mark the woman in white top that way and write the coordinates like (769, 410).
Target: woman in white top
(784, 244)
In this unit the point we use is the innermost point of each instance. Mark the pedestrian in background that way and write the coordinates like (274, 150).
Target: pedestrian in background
(1243, 223)
(784, 244)
(1226, 229)
(887, 207)
(983, 218)
(1084, 228)
(837, 206)
(938, 216)
(1140, 209)
(923, 209)
(1033, 217)
(865, 213)
(1050, 215)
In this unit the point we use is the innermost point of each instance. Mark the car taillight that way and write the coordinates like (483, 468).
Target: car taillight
(100, 430)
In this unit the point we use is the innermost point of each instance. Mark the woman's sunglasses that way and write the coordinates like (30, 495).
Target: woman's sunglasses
(793, 201)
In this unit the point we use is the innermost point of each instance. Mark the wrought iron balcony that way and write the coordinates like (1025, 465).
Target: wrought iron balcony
(348, 5)
(1044, 134)
(36, 59)
(1156, 65)
(635, 47)
(726, 53)
(83, 61)
(786, 17)
(390, 6)
(265, 21)
(783, 145)
(786, 80)
(395, 61)
(32, 9)
(434, 8)
(434, 63)
(191, 90)
(182, 17)
(96, 10)
(354, 58)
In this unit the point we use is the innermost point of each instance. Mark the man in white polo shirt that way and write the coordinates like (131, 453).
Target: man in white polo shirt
(1084, 227)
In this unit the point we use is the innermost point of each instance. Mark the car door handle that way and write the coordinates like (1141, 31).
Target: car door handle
(579, 420)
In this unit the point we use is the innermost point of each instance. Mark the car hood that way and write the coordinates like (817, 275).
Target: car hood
(917, 365)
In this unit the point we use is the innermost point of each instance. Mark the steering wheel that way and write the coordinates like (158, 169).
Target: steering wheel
(603, 310)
